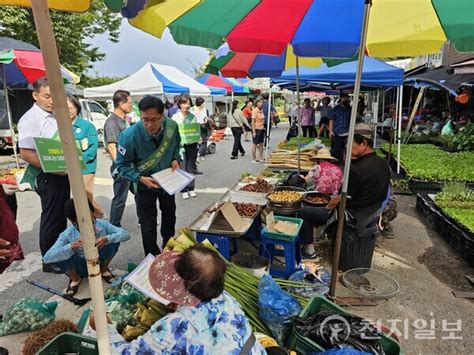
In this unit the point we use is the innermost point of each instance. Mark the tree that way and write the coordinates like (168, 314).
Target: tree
(96, 80)
(72, 32)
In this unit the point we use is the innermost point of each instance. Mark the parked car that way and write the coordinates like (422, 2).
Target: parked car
(95, 113)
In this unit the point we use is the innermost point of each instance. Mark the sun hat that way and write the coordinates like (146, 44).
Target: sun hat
(323, 154)
(166, 281)
(362, 129)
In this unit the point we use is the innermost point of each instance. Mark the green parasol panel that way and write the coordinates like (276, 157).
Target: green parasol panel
(207, 24)
(6, 57)
(457, 19)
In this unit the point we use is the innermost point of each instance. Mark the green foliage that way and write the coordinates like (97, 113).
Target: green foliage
(73, 31)
(93, 81)
(464, 139)
(427, 162)
(464, 216)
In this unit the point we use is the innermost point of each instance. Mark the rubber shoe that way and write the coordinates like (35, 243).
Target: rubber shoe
(185, 196)
(192, 193)
(313, 257)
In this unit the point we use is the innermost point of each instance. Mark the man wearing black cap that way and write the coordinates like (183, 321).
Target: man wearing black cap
(339, 120)
(369, 176)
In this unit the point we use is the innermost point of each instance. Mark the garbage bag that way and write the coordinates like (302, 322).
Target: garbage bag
(277, 308)
(27, 314)
(317, 284)
(334, 330)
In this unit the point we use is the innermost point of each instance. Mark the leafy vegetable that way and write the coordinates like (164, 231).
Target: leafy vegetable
(464, 216)
(427, 162)
(464, 139)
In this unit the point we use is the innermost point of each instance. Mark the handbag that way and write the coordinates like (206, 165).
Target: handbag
(241, 128)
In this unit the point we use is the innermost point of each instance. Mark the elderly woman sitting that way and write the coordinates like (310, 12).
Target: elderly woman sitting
(325, 177)
(207, 319)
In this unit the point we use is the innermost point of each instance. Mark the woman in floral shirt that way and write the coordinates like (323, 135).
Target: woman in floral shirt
(207, 320)
(325, 177)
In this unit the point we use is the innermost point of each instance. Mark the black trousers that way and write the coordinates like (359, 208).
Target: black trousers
(338, 146)
(309, 131)
(146, 205)
(237, 133)
(54, 192)
(190, 165)
(312, 217)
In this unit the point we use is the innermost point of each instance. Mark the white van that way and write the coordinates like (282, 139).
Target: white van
(95, 113)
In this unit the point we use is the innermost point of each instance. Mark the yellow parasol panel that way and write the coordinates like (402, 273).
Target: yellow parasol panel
(303, 62)
(403, 28)
(64, 5)
(158, 14)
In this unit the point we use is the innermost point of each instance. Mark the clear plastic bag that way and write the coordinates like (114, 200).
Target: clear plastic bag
(27, 314)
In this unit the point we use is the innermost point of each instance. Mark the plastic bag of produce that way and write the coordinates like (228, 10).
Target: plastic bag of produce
(27, 314)
(333, 330)
(277, 308)
(317, 284)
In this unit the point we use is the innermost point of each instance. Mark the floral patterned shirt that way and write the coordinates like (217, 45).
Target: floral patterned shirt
(215, 327)
(327, 178)
(307, 116)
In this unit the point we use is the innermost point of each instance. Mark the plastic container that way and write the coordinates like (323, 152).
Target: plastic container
(305, 345)
(357, 253)
(281, 236)
(255, 264)
(70, 343)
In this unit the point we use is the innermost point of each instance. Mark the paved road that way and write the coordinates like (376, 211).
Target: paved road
(220, 173)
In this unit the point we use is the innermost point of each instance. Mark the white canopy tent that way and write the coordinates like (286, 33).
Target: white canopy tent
(154, 79)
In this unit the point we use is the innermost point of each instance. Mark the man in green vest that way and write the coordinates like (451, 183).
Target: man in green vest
(149, 146)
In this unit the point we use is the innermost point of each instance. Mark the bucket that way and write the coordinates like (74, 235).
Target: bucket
(255, 264)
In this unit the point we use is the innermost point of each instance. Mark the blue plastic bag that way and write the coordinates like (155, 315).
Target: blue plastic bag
(276, 305)
(277, 308)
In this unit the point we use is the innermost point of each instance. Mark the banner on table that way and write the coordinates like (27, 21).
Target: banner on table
(51, 155)
(190, 132)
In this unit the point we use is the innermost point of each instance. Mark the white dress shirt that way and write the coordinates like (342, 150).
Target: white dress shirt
(36, 122)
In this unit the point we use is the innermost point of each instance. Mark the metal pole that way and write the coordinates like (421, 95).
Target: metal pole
(350, 139)
(298, 111)
(10, 120)
(399, 136)
(51, 62)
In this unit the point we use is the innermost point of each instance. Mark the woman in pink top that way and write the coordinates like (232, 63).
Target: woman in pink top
(308, 119)
(326, 177)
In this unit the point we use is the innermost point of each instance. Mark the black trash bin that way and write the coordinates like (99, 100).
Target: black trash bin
(357, 252)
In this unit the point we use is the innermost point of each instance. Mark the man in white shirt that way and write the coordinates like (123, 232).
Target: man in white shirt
(53, 189)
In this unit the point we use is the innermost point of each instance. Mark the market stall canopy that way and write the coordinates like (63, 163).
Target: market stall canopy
(441, 78)
(154, 79)
(375, 73)
(396, 27)
(23, 67)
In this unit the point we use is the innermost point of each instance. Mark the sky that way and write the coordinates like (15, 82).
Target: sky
(137, 48)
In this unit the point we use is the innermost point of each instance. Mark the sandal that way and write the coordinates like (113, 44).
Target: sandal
(71, 289)
(108, 276)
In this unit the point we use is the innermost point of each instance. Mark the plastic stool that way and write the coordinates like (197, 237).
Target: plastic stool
(291, 251)
(221, 242)
(255, 229)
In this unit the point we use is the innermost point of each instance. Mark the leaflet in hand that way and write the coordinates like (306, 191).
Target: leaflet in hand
(138, 278)
(173, 182)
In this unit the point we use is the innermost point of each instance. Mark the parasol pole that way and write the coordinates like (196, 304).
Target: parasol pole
(399, 135)
(350, 139)
(298, 111)
(267, 133)
(9, 116)
(51, 61)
